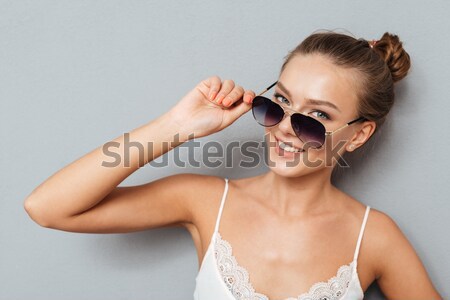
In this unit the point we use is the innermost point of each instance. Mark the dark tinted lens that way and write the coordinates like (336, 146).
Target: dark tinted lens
(266, 112)
(309, 130)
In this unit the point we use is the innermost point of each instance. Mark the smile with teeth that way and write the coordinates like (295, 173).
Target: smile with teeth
(287, 148)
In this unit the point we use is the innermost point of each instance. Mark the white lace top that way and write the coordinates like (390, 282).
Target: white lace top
(222, 278)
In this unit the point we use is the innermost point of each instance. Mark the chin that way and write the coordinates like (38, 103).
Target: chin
(286, 171)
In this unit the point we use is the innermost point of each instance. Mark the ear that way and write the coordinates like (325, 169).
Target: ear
(362, 133)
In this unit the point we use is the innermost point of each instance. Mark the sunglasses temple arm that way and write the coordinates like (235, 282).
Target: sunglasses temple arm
(331, 132)
(268, 88)
(348, 124)
(262, 92)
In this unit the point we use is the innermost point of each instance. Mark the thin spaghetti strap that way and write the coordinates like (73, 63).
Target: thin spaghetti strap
(221, 205)
(355, 257)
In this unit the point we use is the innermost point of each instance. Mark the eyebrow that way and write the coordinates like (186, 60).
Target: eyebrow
(311, 101)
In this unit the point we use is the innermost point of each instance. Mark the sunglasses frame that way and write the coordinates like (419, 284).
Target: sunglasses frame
(327, 133)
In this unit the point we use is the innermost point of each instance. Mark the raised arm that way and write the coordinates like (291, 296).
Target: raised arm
(84, 196)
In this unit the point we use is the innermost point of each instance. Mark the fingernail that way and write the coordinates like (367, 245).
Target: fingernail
(247, 98)
(226, 102)
(212, 95)
(220, 98)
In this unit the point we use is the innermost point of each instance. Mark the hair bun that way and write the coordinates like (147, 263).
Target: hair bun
(390, 48)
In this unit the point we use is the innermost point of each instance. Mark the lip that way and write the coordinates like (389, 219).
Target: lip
(285, 153)
(289, 144)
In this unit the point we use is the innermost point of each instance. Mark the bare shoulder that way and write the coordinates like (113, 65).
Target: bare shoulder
(398, 269)
(196, 183)
(383, 234)
(380, 232)
(198, 186)
(202, 193)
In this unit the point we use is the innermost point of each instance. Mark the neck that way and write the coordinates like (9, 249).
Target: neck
(299, 196)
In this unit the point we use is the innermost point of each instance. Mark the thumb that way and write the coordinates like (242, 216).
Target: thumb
(236, 110)
(239, 108)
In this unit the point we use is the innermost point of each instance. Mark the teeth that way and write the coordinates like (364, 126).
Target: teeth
(288, 148)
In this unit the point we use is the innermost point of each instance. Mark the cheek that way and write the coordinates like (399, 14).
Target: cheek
(269, 135)
(269, 139)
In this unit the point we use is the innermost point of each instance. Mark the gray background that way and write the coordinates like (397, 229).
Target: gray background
(75, 74)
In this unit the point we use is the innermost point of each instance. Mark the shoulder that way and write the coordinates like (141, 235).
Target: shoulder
(390, 256)
(199, 192)
(386, 240)
(399, 269)
(383, 229)
(197, 179)
(194, 185)
(197, 187)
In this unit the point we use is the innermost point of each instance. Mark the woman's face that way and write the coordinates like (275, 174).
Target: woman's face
(313, 77)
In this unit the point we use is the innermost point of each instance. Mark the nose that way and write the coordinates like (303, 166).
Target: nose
(285, 125)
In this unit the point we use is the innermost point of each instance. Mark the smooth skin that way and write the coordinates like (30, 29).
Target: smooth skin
(280, 223)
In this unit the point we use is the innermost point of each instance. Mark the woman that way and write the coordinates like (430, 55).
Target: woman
(294, 234)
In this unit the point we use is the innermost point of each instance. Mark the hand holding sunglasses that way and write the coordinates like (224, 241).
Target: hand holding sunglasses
(210, 107)
(309, 130)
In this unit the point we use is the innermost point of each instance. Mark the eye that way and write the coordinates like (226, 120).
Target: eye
(280, 98)
(322, 115)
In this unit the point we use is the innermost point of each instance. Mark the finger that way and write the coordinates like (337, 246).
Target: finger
(237, 110)
(227, 87)
(249, 95)
(235, 95)
(214, 83)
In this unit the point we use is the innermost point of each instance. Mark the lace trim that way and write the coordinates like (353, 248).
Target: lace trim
(238, 282)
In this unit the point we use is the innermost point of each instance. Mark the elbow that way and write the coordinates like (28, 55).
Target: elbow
(35, 212)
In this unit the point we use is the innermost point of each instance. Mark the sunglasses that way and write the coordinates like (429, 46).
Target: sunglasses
(309, 130)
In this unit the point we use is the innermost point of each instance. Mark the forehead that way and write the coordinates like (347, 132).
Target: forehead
(316, 77)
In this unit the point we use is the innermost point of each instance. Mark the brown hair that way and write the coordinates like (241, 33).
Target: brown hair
(379, 67)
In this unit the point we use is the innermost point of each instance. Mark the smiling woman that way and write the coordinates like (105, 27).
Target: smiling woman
(294, 234)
